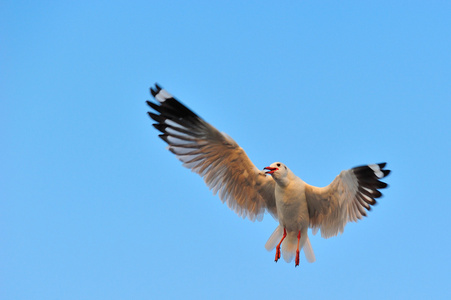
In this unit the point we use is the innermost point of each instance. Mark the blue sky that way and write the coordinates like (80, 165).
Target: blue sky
(94, 207)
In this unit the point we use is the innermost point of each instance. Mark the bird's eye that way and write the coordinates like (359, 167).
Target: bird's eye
(278, 165)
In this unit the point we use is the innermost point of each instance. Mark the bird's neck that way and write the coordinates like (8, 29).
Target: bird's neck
(283, 181)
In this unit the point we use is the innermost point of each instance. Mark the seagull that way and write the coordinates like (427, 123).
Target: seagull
(250, 192)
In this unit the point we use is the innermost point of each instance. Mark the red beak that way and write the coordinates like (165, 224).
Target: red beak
(270, 170)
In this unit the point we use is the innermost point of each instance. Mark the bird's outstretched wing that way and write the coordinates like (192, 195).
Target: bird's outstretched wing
(224, 166)
(346, 199)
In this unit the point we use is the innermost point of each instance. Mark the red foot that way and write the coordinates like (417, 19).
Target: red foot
(277, 254)
(296, 261)
(278, 246)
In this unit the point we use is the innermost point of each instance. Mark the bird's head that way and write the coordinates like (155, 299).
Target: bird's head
(276, 170)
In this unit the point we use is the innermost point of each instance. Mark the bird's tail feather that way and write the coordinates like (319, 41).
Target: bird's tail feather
(289, 246)
(274, 239)
(308, 251)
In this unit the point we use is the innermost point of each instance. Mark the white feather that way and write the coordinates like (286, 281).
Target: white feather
(162, 96)
(377, 170)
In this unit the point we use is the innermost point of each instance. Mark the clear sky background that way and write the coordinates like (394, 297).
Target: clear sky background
(94, 207)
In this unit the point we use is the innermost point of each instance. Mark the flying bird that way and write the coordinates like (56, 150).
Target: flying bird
(250, 192)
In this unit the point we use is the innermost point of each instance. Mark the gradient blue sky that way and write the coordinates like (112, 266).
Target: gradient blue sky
(94, 207)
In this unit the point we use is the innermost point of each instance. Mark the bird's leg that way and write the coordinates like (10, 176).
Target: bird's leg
(296, 262)
(278, 246)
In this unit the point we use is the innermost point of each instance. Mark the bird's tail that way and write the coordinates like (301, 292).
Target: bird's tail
(290, 243)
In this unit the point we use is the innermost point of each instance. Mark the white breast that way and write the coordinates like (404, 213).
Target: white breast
(292, 206)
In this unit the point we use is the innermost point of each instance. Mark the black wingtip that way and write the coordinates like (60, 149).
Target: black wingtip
(155, 117)
(381, 185)
(382, 165)
(156, 90)
(155, 106)
(160, 127)
(164, 137)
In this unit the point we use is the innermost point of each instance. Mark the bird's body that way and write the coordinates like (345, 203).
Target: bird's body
(291, 204)
(292, 210)
(250, 192)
